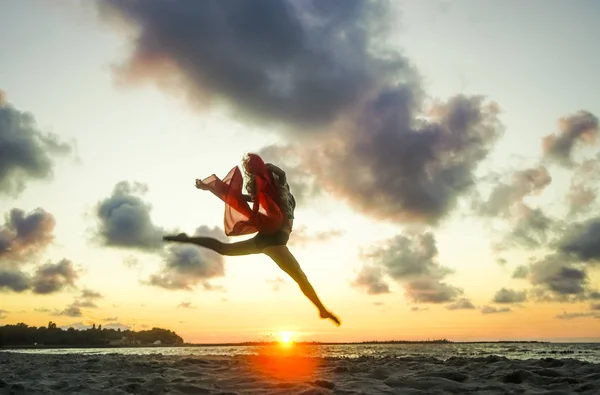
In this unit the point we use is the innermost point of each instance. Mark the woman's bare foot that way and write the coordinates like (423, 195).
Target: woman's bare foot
(326, 314)
(182, 237)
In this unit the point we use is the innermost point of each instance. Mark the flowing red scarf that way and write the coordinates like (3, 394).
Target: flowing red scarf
(265, 215)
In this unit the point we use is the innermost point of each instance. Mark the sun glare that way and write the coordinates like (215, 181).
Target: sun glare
(286, 338)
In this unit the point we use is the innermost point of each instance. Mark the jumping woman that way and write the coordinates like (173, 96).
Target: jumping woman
(271, 217)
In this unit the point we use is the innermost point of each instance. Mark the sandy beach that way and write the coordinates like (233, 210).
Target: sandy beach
(157, 374)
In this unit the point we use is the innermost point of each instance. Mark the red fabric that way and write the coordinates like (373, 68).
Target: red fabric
(265, 215)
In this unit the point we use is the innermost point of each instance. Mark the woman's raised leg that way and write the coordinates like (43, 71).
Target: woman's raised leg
(288, 263)
(246, 247)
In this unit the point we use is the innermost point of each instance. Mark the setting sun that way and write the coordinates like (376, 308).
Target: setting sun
(286, 337)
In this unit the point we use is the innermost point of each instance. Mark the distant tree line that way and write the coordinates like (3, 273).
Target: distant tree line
(23, 335)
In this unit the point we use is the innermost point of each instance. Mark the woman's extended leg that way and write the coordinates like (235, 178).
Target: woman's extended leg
(288, 263)
(246, 247)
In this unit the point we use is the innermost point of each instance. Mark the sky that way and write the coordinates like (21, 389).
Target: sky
(444, 157)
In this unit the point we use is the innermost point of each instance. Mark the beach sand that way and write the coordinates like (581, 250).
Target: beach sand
(157, 374)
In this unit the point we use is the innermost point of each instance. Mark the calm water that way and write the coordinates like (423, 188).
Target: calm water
(583, 351)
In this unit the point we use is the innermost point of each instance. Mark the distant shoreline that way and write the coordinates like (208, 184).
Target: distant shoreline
(255, 344)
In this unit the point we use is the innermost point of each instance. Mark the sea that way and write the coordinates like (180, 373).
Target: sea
(589, 352)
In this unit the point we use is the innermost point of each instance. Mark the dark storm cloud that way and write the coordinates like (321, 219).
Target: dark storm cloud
(25, 233)
(509, 296)
(370, 278)
(14, 280)
(187, 265)
(576, 128)
(298, 63)
(53, 277)
(124, 219)
(583, 241)
(412, 262)
(461, 304)
(494, 310)
(25, 152)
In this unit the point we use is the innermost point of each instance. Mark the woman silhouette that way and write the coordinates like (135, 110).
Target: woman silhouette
(271, 217)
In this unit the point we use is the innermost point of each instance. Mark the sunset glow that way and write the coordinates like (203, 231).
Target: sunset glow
(286, 338)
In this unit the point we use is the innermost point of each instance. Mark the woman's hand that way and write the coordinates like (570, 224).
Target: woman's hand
(201, 185)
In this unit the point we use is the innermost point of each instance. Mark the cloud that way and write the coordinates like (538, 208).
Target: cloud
(461, 304)
(583, 241)
(131, 261)
(583, 189)
(13, 280)
(370, 278)
(118, 325)
(494, 310)
(418, 308)
(570, 316)
(595, 306)
(555, 274)
(87, 299)
(124, 219)
(27, 153)
(521, 271)
(285, 62)
(301, 236)
(187, 265)
(186, 305)
(276, 283)
(509, 296)
(508, 193)
(23, 234)
(76, 326)
(412, 262)
(89, 294)
(532, 229)
(326, 69)
(70, 311)
(3, 314)
(574, 129)
(106, 319)
(53, 277)
(392, 166)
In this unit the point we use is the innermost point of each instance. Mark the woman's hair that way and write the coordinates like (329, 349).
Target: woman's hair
(283, 188)
(250, 178)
